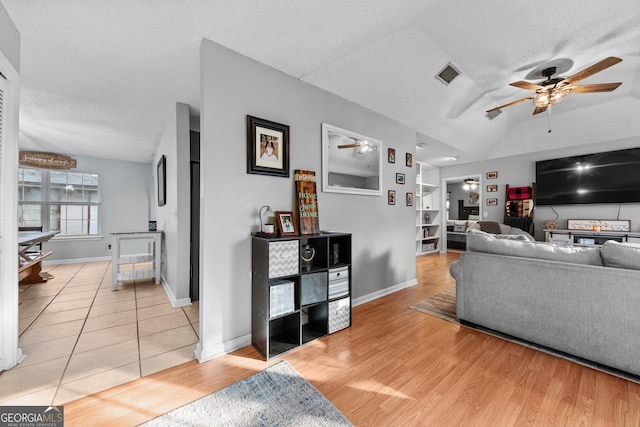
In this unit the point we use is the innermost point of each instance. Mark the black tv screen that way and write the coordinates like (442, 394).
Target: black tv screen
(612, 177)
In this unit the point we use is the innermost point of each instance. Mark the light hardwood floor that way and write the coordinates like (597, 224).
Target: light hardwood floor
(397, 366)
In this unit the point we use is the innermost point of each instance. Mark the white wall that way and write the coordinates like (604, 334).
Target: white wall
(233, 87)
(125, 192)
(174, 217)
(10, 354)
(519, 171)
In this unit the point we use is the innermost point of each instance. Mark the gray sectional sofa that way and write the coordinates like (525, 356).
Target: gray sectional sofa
(577, 300)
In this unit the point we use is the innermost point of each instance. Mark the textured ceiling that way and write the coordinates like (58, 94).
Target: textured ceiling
(100, 78)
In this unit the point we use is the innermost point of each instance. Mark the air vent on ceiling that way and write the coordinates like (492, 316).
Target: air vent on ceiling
(448, 73)
(493, 114)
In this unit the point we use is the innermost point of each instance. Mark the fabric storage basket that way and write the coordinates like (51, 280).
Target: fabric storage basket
(283, 258)
(339, 314)
(338, 282)
(281, 298)
(314, 288)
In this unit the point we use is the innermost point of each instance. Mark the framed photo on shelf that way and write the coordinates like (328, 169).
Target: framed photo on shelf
(286, 224)
(399, 178)
(391, 155)
(391, 198)
(492, 188)
(267, 147)
(492, 202)
(492, 175)
(409, 199)
(162, 180)
(409, 160)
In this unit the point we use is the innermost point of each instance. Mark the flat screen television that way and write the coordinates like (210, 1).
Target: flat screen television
(611, 177)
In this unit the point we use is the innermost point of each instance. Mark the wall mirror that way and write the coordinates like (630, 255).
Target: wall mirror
(351, 163)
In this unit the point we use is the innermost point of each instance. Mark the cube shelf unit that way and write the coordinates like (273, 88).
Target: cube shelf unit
(301, 290)
(152, 254)
(427, 215)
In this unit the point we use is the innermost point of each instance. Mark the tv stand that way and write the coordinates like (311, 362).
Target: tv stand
(588, 238)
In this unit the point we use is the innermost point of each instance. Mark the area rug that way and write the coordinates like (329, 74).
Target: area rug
(277, 396)
(442, 305)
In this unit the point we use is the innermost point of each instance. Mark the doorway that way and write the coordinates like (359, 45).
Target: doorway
(462, 202)
(194, 277)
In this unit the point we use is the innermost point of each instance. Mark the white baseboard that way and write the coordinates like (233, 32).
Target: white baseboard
(175, 302)
(383, 292)
(209, 353)
(75, 260)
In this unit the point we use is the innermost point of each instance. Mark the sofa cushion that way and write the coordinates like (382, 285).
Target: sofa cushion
(490, 227)
(621, 255)
(479, 241)
(520, 237)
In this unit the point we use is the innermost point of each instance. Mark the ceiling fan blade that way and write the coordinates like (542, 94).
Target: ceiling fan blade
(350, 145)
(539, 110)
(595, 68)
(601, 87)
(511, 103)
(526, 85)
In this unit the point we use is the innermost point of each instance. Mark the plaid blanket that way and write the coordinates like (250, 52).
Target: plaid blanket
(519, 193)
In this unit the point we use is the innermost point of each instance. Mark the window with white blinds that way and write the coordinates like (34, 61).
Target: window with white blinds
(68, 202)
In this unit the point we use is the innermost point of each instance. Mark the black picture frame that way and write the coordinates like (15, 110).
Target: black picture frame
(264, 134)
(399, 178)
(391, 155)
(409, 198)
(162, 181)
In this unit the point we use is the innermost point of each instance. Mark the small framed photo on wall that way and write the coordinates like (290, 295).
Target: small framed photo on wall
(391, 199)
(492, 188)
(409, 199)
(267, 147)
(492, 175)
(399, 178)
(391, 155)
(492, 202)
(409, 160)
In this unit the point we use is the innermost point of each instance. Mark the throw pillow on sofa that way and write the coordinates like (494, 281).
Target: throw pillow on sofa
(479, 241)
(621, 255)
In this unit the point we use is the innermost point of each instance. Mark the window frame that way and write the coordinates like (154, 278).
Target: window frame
(46, 203)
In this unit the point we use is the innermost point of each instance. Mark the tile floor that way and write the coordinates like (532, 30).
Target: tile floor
(80, 337)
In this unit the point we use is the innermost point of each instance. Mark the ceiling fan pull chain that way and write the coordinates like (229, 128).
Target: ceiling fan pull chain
(549, 118)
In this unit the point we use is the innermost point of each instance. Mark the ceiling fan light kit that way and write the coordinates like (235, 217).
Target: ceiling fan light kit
(470, 184)
(553, 90)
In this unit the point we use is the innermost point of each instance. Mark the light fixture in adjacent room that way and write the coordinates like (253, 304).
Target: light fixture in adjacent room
(469, 184)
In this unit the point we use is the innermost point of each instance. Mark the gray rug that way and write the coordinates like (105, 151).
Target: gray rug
(442, 305)
(277, 396)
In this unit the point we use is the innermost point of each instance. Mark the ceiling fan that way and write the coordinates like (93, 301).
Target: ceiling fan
(356, 143)
(470, 184)
(553, 90)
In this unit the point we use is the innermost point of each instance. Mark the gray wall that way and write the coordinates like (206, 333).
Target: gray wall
(234, 86)
(518, 171)
(175, 216)
(125, 189)
(9, 39)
